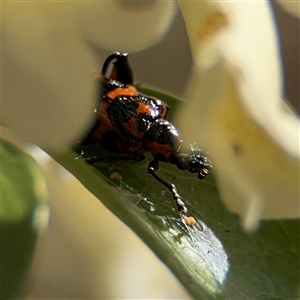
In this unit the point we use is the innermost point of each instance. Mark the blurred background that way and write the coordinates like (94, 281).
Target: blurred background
(87, 253)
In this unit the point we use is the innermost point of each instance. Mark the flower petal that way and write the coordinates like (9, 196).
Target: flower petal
(128, 26)
(48, 94)
(236, 106)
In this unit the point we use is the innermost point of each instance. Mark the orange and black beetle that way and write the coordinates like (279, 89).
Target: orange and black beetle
(129, 122)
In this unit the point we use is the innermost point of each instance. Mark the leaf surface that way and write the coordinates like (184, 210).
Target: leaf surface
(23, 213)
(215, 259)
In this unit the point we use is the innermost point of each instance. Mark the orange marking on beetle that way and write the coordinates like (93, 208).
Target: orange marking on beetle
(104, 120)
(143, 108)
(128, 91)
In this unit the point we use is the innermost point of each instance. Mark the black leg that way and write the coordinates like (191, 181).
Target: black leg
(96, 159)
(152, 167)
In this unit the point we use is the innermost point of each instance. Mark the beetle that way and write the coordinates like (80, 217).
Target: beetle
(130, 122)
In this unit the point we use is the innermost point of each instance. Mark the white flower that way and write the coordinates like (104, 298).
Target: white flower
(50, 52)
(236, 109)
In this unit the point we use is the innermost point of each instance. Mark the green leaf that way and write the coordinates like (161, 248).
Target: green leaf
(23, 213)
(215, 259)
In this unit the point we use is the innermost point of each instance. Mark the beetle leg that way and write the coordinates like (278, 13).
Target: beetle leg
(96, 159)
(152, 167)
